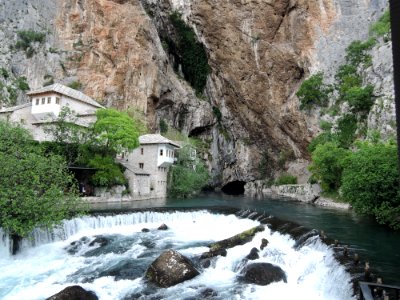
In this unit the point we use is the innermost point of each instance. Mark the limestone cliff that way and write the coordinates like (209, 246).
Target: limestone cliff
(259, 52)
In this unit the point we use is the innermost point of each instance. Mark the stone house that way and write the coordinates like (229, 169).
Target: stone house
(147, 166)
(45, 105)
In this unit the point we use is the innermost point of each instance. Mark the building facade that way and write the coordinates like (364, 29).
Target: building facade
(147, 166)
(45, 106)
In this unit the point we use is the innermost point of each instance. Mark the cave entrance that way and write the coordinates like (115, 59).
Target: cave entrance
(234, 188)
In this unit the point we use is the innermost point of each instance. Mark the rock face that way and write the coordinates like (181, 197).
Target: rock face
(259, 52)
(170, 268)
(74, 293)
(118, 57)
(266, 51)
(263, 274)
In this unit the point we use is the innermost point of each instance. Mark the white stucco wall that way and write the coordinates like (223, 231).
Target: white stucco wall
(154, 164)
(45, 106)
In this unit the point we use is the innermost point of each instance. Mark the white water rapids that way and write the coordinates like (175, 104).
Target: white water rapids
(44, 266)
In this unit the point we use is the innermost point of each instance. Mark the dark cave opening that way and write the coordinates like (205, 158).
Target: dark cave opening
(234, 188)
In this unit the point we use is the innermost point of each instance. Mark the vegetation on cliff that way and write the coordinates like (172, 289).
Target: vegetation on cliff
(189, 175)
(26, 39)
(36, 188)
(189, 54)
(346, 158)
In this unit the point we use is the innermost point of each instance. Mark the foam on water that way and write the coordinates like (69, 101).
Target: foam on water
(41, 271)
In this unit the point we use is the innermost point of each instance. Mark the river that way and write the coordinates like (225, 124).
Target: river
(70, 255)
(373, 242)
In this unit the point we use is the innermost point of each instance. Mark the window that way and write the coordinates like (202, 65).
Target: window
(43, 100)
(141, 151)
(141, 165)
(57, 100)
(48, 100)
(161, 152)
(37, 101)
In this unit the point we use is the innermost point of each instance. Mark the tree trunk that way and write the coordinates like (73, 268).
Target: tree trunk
(395, 24)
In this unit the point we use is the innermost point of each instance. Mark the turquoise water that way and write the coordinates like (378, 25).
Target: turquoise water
(374, 243)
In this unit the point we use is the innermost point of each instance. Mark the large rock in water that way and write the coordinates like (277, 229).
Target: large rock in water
(170, 268)
(74, 292)
(263, 274)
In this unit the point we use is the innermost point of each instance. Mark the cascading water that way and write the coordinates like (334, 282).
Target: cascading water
(109, 255)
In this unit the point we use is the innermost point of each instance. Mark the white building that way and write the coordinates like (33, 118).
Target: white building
(147, 166)
(45, 106)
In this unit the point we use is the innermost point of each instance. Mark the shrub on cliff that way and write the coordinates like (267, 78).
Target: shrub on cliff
(313, 92)
(382, 26)
(327, 165)
(190, 54)
(26, 38)
(188, 176)
(286, 179)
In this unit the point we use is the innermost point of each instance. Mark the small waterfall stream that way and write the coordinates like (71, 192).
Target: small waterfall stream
(74, 254)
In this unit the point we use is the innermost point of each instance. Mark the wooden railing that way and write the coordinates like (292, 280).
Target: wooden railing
(377, 291)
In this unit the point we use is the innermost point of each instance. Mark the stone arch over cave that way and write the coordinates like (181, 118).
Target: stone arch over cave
(234, 188)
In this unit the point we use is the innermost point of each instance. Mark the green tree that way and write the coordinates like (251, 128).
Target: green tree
(36, 190)
(370, 180)
(313, 92)
(116, 130)
(108, 172)
(69, 139)
(327, 165)
(188, 176)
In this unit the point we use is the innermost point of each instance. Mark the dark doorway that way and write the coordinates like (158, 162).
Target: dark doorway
(82, 176)
(234, 188)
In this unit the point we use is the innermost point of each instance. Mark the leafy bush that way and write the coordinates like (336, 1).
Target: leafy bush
(190, 54)
(217, 113)
(360, 98)
(382, 26)
(347, 126)
(108, 173)
(346, 78)
(4, 73)
(313, 92)
(26, 38)
(163, 126)
(76, 85)
(188, 176)
(286, 179)
(356, 52)
(327, 165)
(21, 83)
(371, 180)
(319, 140)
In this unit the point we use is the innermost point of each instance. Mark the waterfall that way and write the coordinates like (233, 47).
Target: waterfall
(5, 244)
(51, 261)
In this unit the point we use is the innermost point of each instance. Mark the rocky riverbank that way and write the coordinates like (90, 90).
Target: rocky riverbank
(307, 193)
